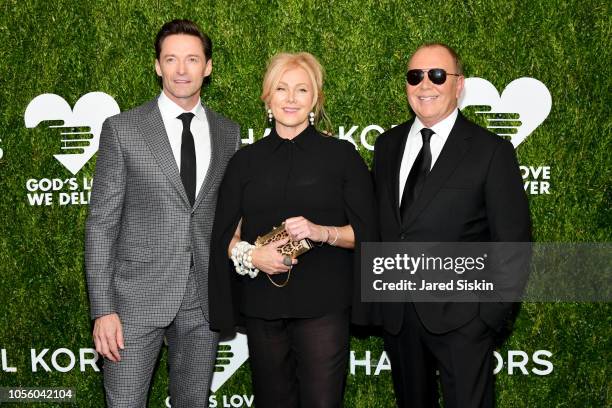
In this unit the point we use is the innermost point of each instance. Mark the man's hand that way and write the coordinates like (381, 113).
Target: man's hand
(108, 336)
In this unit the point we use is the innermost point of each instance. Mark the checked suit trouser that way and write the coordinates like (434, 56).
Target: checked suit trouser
(191, 345)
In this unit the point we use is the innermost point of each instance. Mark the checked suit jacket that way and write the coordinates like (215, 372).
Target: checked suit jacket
(141, 231)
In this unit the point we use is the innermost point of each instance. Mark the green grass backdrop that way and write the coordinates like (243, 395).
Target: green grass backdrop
(74, 47)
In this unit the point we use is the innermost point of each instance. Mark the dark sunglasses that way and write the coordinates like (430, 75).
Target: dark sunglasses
(436, 76)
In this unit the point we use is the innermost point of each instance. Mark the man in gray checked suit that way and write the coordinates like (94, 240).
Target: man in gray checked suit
(148, 230)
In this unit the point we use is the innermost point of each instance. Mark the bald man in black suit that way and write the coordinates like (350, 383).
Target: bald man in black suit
(441, 178)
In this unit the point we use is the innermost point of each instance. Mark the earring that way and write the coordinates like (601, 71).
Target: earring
(311, 118)
(270, 117)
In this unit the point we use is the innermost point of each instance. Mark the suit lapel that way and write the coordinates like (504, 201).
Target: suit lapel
(453, 151)
(396, 164)
(154, 132)
(216, 153)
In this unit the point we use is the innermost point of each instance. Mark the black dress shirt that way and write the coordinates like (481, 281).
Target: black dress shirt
(318, 177)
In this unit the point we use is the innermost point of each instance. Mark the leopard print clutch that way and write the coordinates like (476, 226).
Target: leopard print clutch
(291, 248)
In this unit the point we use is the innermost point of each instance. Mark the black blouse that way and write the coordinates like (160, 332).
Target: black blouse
(318, 177)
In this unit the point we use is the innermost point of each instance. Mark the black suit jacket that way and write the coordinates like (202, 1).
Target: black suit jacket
(474, 193)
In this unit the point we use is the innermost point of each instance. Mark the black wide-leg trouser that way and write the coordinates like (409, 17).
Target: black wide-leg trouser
(299, 362)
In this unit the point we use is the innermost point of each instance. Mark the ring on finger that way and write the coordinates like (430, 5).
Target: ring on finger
(287, 260)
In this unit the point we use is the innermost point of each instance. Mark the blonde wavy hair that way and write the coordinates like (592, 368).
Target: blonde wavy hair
(283, 62)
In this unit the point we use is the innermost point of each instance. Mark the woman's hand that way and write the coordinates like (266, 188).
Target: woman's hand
(268, 260)
(299, 228)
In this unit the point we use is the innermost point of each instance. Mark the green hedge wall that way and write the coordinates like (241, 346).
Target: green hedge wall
(74, 47)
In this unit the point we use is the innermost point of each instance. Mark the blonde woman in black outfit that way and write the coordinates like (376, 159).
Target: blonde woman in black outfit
(296, 311)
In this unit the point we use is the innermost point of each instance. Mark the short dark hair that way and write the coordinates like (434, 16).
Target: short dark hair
(451, 51)
(186, 27)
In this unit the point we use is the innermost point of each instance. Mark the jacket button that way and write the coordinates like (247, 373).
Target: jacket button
(403, 236)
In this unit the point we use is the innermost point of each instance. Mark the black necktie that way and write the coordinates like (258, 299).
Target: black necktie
(417, 175)
(188, 157)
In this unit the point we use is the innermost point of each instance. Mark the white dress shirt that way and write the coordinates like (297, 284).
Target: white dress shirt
(199, 128)
(414, 143)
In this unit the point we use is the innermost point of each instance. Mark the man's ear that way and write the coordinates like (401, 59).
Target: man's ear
(460, 84)
(208, 68)
(158, 68)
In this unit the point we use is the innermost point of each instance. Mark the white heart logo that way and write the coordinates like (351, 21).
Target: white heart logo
(89, 112)
(526, 97)
(230, 357)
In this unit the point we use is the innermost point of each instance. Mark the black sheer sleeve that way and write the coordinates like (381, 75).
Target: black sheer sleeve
(360, 207)
(222, 280)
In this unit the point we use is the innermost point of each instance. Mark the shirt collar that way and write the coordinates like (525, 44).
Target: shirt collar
(169, 109)
(304, 140)
(442, 128)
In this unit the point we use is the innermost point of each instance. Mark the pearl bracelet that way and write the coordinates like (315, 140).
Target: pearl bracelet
(243, 260)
